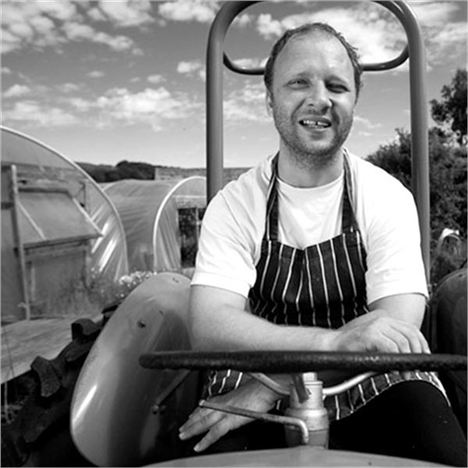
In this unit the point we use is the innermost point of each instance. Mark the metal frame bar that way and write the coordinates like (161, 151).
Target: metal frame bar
(419, 136)
(20, 248)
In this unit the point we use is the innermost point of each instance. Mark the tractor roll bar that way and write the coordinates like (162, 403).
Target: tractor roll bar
(418, 103)
(401, 58)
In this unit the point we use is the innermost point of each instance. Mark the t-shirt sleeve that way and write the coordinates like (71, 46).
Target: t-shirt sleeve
(225, 252)
(394, 258)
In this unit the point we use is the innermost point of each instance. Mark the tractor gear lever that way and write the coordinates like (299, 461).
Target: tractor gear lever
(299, 425)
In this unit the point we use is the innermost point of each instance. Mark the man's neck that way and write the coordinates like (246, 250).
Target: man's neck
(294, 171)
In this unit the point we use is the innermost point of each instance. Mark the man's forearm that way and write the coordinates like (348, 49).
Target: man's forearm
(219, 321)
(234, 329)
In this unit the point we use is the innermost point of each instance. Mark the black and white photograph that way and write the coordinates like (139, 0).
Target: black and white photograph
(233, 233)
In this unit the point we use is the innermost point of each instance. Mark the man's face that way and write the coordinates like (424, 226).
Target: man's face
(313, 97)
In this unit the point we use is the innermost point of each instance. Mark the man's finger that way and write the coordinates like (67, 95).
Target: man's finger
(197, 413)
(417, 342)
(424, 345)
(409, 338)
(402, 340)
(387, 344)
(199, 425)
(216, 432)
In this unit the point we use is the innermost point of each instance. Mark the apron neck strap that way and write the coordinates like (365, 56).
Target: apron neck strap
(271, 219)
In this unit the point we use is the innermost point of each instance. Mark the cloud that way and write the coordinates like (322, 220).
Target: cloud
(370, 28)
(6, 71)
(202, 11)
(447, 43)
(444, 36)
(250, 62)
(42, 26)
(156, 79)
(96, 14)
(268, 27)
(378, 35)
(79, 104)
(32, 112)
(62, 10)
(80, 32)
(51, 23)
(16, 91)
(29, 23)
(96, 74)
(151, 106)
(433, 14)
(17, 33)
(363, 121)
(68, 87)
(123, 13)
(243, 20)
(186, 68)
(192, 68)
(246, 105)
(117, 105)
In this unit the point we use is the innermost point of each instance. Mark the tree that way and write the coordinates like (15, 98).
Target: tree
(448, 180)
(447, 165)
(395, 157)
(451, 109)
(135, 170)
(447, 161)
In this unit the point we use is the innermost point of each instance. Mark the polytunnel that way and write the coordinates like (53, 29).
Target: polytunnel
(63, 244)
(161, 221)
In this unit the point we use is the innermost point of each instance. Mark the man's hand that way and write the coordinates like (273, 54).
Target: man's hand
(252, 396)
(376, 331)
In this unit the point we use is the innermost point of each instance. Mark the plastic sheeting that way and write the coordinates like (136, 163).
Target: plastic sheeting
(148, 210)
(39, 224)
(59, 207)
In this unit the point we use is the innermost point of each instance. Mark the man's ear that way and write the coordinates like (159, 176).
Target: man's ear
(269, 103)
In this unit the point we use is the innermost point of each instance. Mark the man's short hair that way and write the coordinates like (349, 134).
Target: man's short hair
(302, 31)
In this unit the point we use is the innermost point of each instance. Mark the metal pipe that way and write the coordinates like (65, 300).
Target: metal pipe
(419, 129)
(419, 125)
(288, 420)
(14, 196)
(347, 384)
(214, 94)
(270, 383)
(380, 66)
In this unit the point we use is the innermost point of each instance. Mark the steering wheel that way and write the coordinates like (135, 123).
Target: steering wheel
(306, 414)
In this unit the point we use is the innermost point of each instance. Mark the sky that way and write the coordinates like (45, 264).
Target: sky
(109, 80)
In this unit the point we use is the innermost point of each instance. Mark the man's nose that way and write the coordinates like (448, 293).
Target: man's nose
(318, 98)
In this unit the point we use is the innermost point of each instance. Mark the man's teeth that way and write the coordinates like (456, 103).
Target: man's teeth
(314, 123)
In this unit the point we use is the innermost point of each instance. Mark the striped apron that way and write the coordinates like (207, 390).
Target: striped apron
(323, 286)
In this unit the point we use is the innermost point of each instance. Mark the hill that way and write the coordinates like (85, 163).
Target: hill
(145, 171)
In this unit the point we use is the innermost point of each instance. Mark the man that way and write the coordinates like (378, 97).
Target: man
(316, 249)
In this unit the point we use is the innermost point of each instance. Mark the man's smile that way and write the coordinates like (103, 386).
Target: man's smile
(315, 122)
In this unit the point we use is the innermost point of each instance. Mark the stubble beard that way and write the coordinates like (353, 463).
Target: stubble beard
(315, 156)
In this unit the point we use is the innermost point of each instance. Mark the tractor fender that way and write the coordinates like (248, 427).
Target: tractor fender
(121, 413)
(449, 316)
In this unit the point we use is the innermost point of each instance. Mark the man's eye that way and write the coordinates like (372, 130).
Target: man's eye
(297, 83)
(337, 88)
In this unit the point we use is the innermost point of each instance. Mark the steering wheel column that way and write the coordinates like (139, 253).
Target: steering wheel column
(311, 410)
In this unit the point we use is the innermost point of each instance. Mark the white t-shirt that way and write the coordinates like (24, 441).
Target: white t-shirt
(234, 224)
